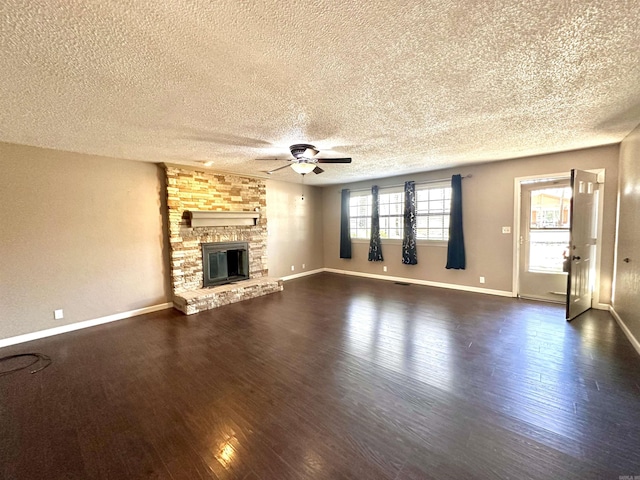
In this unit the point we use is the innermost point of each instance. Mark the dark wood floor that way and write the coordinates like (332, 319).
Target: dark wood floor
(334, 378)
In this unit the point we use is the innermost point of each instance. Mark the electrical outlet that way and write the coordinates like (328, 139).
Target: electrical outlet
(506, 229)
(293, 268)
(58, 314)
(481, 279)
(384, 269)
(303, 266)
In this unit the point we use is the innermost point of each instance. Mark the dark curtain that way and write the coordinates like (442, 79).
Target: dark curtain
(409, 253)
(455, 253)
(375, 248)
(345, 231)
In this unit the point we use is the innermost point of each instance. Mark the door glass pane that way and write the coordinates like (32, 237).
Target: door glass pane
(550, 207)
(547, 249)
(549, 229)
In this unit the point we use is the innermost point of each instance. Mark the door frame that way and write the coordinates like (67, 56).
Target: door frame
(517, 181)
(557, 280)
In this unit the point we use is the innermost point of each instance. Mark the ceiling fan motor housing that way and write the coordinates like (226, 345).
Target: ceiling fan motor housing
(299, 149)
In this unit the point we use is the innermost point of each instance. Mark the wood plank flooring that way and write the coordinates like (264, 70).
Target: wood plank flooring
(335, 378)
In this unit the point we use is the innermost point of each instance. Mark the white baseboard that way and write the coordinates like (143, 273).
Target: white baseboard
(451, 286)
(27, 337)
(634, 341)
(601, 306)
(302, 274)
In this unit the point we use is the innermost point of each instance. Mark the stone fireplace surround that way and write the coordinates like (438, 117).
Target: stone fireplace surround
(195, 190)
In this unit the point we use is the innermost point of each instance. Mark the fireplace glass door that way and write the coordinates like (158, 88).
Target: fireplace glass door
(218, 268)
(224, 263)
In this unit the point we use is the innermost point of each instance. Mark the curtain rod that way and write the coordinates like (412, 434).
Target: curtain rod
(425, 182)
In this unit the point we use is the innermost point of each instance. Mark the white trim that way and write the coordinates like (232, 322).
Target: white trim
(601, 306)
(595, 294)
(302, 274)
(421, 242)
(615, 243)
(360, 192)
(515, 265)
(451, 286)
(517, 205)
(634, 341)
(27, 337)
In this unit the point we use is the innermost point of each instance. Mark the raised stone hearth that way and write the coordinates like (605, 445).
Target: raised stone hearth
(203, 299)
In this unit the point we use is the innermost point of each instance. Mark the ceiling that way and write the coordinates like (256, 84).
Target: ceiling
(400, 87)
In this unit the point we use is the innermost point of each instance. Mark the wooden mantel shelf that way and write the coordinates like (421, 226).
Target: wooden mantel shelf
(221, 219)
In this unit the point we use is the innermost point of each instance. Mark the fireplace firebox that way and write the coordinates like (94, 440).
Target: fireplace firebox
(224, 262)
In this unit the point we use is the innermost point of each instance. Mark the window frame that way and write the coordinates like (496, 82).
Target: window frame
(446, 211)
(540, 226)
(387, 218)
(366, 219)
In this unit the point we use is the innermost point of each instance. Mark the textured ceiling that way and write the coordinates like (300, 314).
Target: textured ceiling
(399, 86)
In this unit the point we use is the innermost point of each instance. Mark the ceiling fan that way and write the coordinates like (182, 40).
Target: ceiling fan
(305, 160)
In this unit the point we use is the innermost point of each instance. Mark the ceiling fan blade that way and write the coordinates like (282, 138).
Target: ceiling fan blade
(333, 160)
(276, 169)
(317, 170)
(273, 159)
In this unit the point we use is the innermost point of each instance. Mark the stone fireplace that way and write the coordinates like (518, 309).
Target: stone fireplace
(207, 208)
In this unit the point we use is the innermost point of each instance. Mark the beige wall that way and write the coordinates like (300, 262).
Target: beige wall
(79, 233)
(627, 290)
(488, 203)
(294, 228)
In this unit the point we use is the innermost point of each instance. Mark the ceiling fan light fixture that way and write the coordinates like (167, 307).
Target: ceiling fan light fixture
(303, 167)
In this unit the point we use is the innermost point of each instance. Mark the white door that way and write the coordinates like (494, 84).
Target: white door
(544, 239)
(584, 186)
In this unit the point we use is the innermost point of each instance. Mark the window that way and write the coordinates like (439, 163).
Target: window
(433, 208)
(391, 214)
(550, 208)
(360, 216)
(549, 229)
(433, 205)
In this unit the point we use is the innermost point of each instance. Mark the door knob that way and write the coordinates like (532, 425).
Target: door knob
(575, 258)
